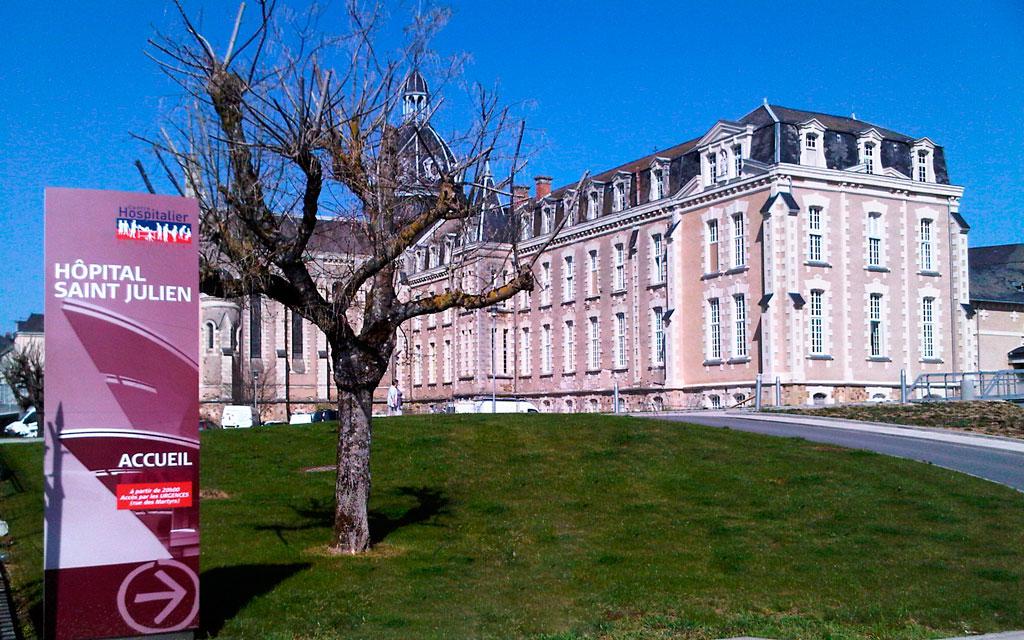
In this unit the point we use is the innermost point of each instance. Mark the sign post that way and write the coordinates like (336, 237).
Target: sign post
(122, 421)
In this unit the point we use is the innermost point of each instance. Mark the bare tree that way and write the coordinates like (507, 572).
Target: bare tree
(22, 370)
(294, 146)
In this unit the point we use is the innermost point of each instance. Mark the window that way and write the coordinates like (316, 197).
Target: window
(255, 327)
(723, 165)
(447, 361)
(297, 340)
(811, 142)
(621, 358)
(657, 183)
(545, 345)
(869, 157)
(431, 363)
(712, 169)
(506, 351)
(926, 245)
(569, 282)
(712, 266)
(658, 259)
(545, 283)
(875, 324)
(620, 267)
(658, 319)
(546, 220)
(569, 347)
(817, 322)
(928, 328)
(620, 196)
(526, 227)
(525, 351)
(739, 241)
(737, 160)
(740, 336)
(594, 281)
(716, 401)
(922, 166)
(594, 354)
(592, 205)
(874, 239)
(814, 234)
(210, 340)
(714, 329)
(417, 365)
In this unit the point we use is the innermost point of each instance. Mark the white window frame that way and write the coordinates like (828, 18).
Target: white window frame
(875, 240)
(714, 249)
(594, 349)
(569, 347)
(740, 347)
(620, 267)
(447, 366)
(657, 182)
(594, 277)
(621, 348)
(815, 235)
(568, 279)
(928, 327)
(593, 204)
(658, 337)
(714, 329)
(876, 329)
(545, 284)
(926, 239)
(739, 241)
(816, 324)
(545, 345)
(525, 364)
(659, 256)
(737, 160)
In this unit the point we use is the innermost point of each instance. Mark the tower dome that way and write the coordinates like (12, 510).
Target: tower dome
(415, 96)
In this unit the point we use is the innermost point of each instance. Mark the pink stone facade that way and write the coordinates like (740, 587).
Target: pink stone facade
(823, 254)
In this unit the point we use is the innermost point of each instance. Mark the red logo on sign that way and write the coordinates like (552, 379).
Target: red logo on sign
(154, 495)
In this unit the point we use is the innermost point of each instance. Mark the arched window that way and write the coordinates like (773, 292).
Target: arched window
(739, 398)
(819, 398)
(210, 336)
(715, 400)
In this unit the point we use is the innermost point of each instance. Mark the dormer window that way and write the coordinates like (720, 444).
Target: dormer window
(869, 157)
(592, 202)
(620, 196)
(546, 220)
(526, 227)
(712, 169)
(569, 207)
(723, 165)
(812, 136)
(922, 166)
(737, 160)
(657, 183)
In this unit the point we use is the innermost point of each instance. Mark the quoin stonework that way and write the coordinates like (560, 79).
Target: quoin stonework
(824, 252)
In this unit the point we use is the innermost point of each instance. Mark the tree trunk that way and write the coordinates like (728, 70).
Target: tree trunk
(352, 488)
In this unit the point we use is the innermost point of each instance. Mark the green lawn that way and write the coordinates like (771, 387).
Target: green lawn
(570, 527)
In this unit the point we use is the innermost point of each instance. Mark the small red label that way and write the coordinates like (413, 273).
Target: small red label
(154, 495)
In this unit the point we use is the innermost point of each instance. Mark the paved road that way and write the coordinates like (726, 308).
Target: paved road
(1002, 466)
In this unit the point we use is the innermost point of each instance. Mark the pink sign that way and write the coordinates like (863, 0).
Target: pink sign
(122, 414)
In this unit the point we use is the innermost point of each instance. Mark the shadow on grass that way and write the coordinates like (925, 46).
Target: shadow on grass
(319, 514)
(225, 591)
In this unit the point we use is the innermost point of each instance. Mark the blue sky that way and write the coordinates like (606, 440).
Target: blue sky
(600, 83)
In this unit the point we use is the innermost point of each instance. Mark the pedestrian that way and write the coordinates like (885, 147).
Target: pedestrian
(394, 400)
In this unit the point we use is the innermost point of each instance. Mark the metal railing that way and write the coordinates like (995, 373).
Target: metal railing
(1006, 384)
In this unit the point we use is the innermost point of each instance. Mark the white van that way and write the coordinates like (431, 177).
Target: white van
(499, 405)
(236, 416)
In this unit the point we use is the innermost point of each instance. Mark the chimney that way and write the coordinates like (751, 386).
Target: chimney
(520, 195)
(543, 186)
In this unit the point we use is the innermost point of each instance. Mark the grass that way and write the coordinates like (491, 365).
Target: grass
(574, 527)
(993, 418)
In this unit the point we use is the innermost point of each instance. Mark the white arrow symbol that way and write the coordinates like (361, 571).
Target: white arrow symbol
(174, 596)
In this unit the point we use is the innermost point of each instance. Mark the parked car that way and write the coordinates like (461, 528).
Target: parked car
(325, 415)
(499, 405)
(237, 416)
(25, 427)
(301, 418)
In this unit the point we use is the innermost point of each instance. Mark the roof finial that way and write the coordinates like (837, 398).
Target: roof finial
(853, 115)
(766, 101)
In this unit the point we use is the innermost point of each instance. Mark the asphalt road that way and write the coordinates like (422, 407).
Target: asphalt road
(1004, 467)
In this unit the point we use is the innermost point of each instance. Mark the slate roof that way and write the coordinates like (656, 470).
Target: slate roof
(831, 122)
(997, 273)
(32, 324)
